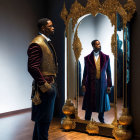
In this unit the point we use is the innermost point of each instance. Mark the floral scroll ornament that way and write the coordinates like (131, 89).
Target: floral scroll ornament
(77, 46)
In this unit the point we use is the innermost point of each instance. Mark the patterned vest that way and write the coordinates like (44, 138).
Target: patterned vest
(98, 72)
(49, 60)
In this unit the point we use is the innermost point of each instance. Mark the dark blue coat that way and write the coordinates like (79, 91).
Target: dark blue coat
(93, 101)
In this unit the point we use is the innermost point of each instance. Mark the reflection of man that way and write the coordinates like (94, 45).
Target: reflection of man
(96, 82)
(42, 65)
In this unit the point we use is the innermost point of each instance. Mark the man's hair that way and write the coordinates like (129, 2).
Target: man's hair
(42, 22)
(93, 42)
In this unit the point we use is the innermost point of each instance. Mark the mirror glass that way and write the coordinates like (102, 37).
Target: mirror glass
(120, 65)
(90, 28)
(123, 65)
(95, 27)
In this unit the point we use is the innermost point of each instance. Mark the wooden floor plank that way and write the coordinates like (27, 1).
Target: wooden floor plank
(20, 127)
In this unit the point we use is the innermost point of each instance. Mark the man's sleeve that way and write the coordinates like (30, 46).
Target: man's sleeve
(34, 62)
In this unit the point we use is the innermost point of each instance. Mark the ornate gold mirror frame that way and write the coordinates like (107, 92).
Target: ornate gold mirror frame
(110, 8)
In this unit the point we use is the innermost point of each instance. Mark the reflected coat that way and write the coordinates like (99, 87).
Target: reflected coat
(93, 101)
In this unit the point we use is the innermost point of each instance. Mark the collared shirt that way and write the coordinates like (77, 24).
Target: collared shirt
(96, 55)
(47, 38)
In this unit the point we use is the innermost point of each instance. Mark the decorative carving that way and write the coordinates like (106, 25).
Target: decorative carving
(125, 118)
(68, 108)
(77, 46)
(121, 133)
(130, 8)
(92, 128)
(97, 123)
(113, 43)
(93, 7)
(68, 123)
(108, 8)
(123, 14)
(64, 13)
(77, 10)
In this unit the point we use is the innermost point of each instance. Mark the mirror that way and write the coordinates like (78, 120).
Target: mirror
(91, 28)
(106, 22)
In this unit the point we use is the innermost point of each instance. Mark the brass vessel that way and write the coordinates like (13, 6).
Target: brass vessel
(121, 133)
(92, 128)
(68, 124)
(68, 108)
(125, 118)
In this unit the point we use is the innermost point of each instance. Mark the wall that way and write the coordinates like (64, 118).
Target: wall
(18, 21)
(17, 27)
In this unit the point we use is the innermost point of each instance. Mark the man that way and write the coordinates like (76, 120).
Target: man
(42, 65)
(96, 82)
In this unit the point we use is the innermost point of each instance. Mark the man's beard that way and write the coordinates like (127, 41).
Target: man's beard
(97, 49)
(49, 33)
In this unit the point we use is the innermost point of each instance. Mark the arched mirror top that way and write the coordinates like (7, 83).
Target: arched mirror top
(108, 8)
(97, 21)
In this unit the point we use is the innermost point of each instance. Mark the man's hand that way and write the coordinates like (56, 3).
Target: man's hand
(44, 88)
(84, 88)
(108, 90)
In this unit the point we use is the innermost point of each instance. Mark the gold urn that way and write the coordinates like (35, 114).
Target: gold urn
(92, 128)
(68, 124)
(125, 118)
(68, 108)
(120, 133)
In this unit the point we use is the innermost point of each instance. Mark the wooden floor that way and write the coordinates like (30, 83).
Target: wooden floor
(20, 127)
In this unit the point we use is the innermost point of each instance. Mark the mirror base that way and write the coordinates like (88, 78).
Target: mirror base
(104, 129)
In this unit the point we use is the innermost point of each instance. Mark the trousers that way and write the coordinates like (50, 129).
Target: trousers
(89, 113)
(41, 131)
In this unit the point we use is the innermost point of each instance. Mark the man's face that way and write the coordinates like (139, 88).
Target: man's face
(97, 46)
(48, 29)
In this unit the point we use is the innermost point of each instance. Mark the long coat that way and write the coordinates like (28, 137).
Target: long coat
(93, 101)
